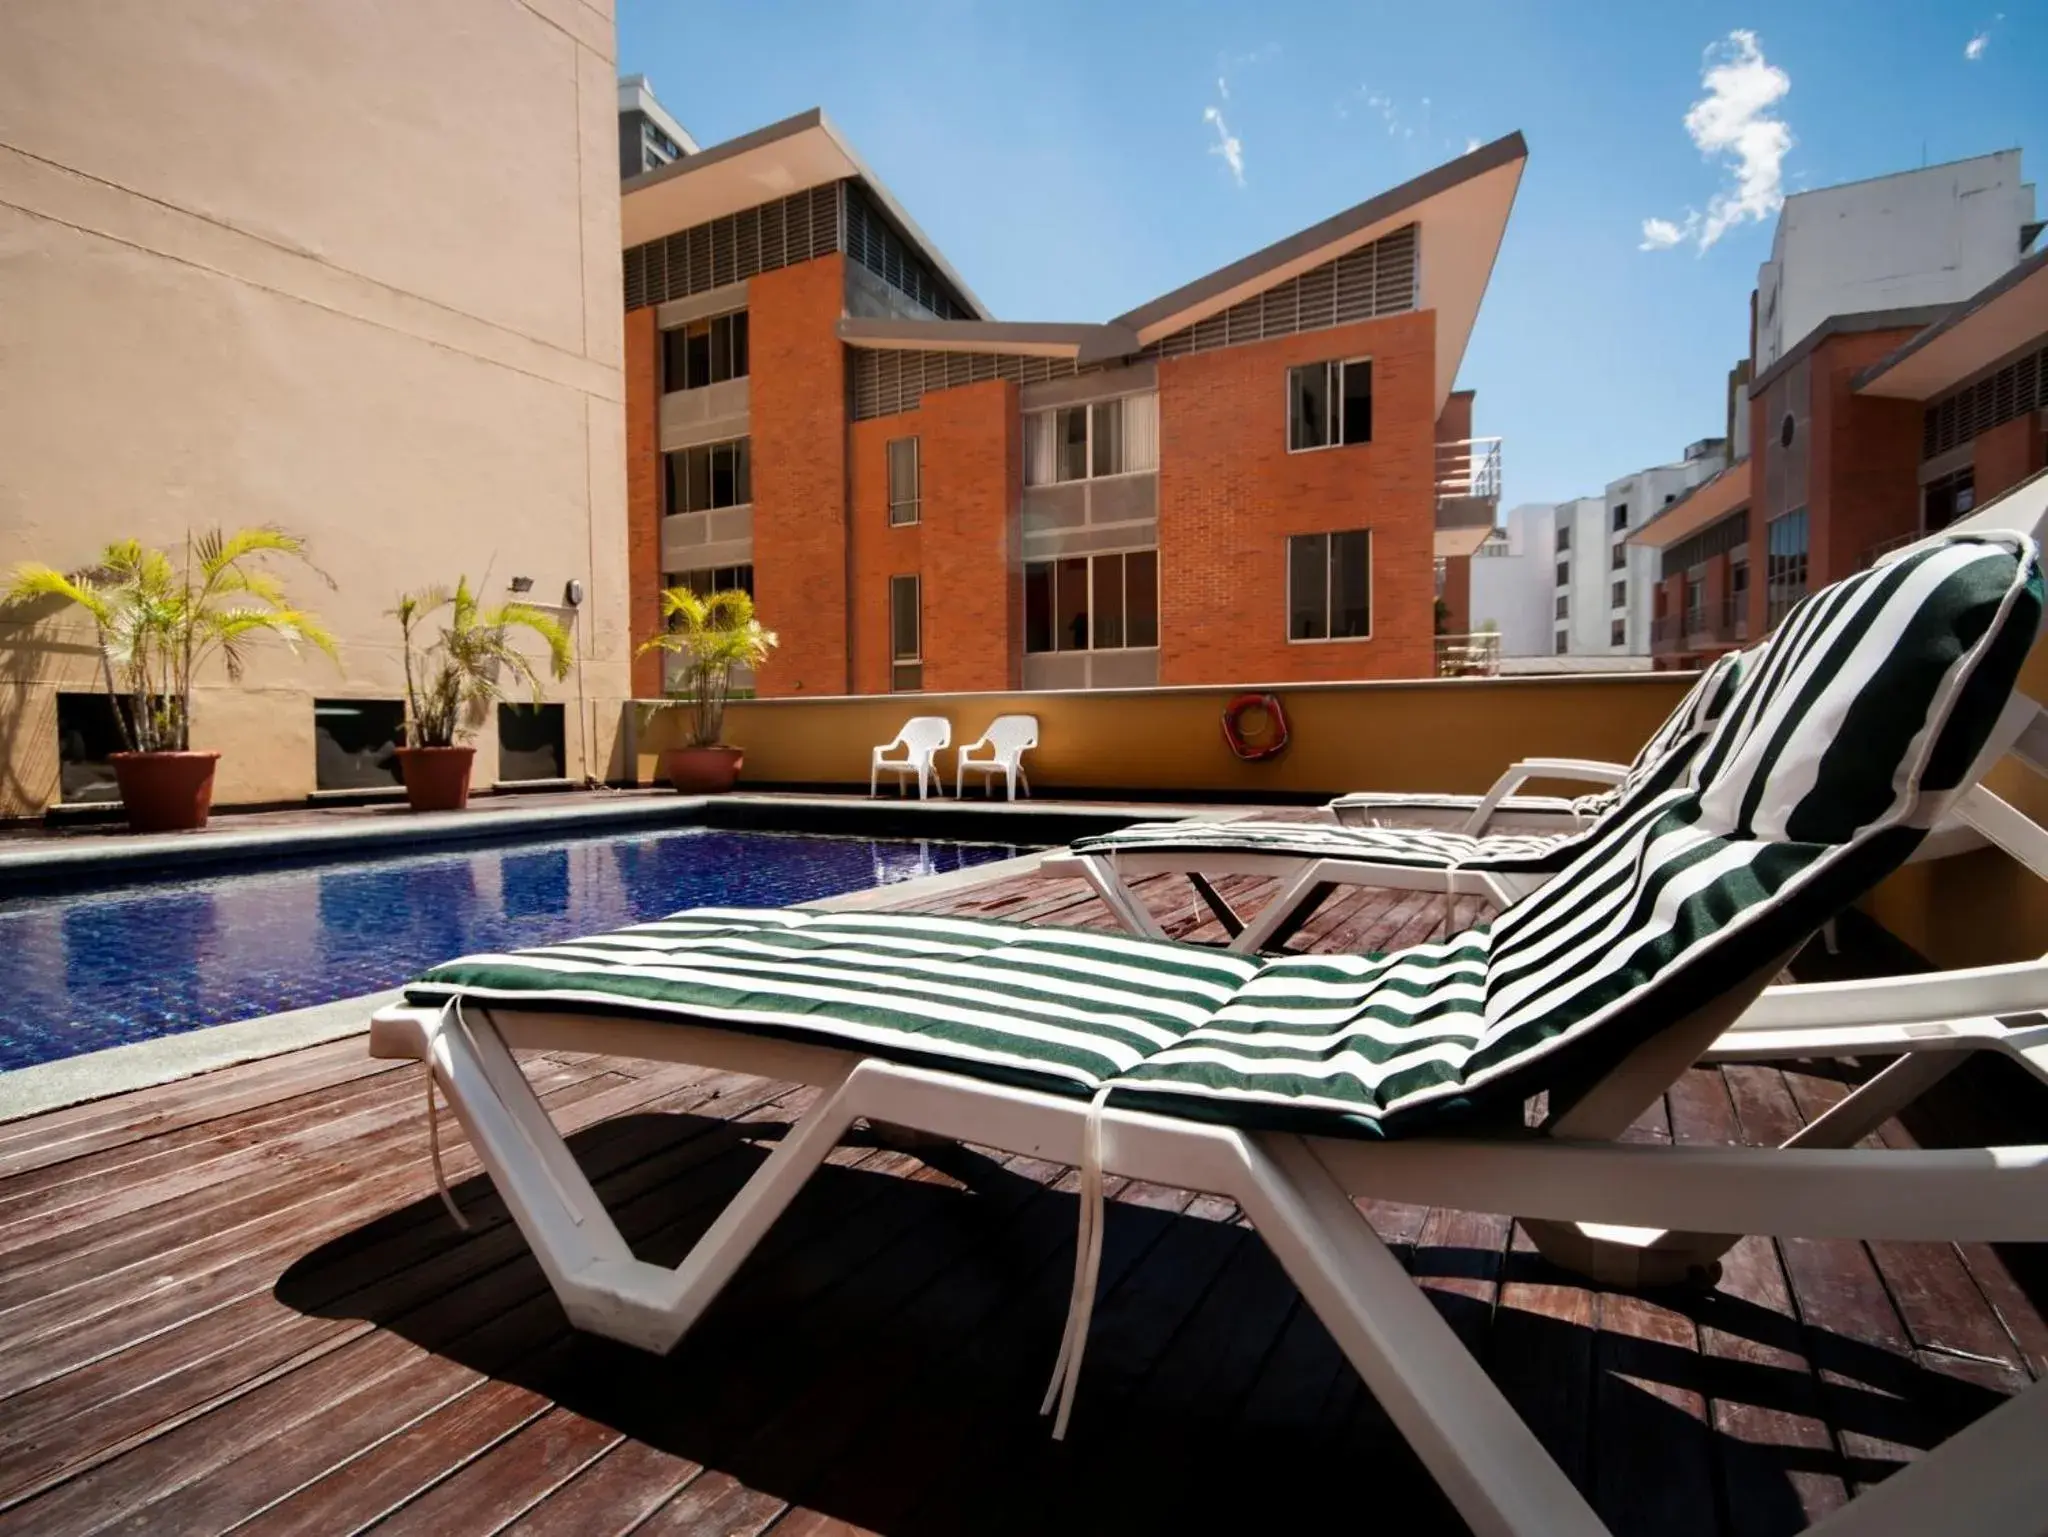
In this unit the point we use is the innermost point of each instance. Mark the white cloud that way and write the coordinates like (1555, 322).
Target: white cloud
(1661, 234)
(1471, 143)
(1227, 144)
(1223, 88)
(1733, 122)
(1973, 50)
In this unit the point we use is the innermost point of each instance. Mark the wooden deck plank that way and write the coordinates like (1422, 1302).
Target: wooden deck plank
(237, 1301)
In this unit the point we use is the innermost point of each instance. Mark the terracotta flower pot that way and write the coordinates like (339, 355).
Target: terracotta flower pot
(436, 778)
(166, 792)
(703, 770)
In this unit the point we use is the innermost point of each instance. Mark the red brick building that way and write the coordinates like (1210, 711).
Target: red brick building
(1875, 429)
(1255, 477)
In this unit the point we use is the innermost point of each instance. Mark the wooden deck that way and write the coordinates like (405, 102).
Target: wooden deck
(236, 1304)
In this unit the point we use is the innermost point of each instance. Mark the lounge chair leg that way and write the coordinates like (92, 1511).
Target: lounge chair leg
(1224, 912)
(1291, 907)
(1127, 907)
(1481, 1453)
(1868, 1107)
(601, 1286)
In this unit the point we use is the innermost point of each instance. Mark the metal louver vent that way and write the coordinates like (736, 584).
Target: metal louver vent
(886, 382)
(1374, 280)
(2019, 387)
(874, 243)
(730, 249)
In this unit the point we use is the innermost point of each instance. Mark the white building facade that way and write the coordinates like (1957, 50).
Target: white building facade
(1512, 580)
(1926, 237)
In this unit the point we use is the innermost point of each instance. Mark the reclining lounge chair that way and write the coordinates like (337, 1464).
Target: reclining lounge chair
(1296, 1084)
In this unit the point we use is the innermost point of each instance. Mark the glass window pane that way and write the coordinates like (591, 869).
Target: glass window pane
(721, 349)
(1038, 606)
(1108, 455)
(739, 345)
(1308, 594)
(1109, 602)
(697, 354)
(744, 489)
(1071, 424)
(1350, 585)
(674, 371)
(903, 617)
(1357, 419)
(1070, 605)
(1141, 598)
(725, 474)
(1308, 406)
(903, 480)
(697, 493)
(906, 677)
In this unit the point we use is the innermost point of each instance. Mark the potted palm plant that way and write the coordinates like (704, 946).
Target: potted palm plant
(712, 635)
(157, 624)
(451, 682)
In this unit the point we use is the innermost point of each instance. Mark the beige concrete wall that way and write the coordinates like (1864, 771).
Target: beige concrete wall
(1451, 734)
(347, 266)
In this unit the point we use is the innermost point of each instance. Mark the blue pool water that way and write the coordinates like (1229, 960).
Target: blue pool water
(87, 970)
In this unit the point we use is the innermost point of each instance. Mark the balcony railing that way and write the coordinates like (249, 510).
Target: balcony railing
(1468, 656)
(1723, 624)
(1468, 467)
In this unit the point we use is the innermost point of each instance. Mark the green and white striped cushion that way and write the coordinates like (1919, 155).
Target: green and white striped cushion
(1824, 773)
(1662, 759)
(1051, 1008)
(1819, 780)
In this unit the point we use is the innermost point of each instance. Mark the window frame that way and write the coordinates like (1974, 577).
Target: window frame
(1617, 632)
(1088, 408)
(915, 501)
(711, 576)
(742, 475)
(1333, 385)
(1619, 518)
(1093, 560)
(1620, 595)
(738, 353)
(1329, 603)
(898, 664)
(1618, 560)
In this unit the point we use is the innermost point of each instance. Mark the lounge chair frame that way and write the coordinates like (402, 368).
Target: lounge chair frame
(1298, 1192)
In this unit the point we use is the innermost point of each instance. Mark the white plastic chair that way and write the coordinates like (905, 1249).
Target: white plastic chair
(1008, 737)
(921, 738)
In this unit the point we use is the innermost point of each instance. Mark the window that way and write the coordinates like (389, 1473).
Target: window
(1670, 497)
(1109, 437)
(1621, 516)
(704, 352)
(1619, 560)
(1563, 606)
(530, 742)
(1617, 633)
(1092, 603)
(1564, 536)
(88, 735)
(1329, 586)
(1621, 594)
(906, 636)
(905, 481)
(1329, 404)
(709, 579)
(355, 743)
(1943, 501)
(1695, 602)
(1564, 573)
(1784, 564)
(1786, 428)
(1562, 642)
(710, 475)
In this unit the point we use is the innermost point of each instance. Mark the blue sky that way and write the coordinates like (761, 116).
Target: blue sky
(1068, 160)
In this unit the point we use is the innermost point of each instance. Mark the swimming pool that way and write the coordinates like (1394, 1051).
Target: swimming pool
(89, 970)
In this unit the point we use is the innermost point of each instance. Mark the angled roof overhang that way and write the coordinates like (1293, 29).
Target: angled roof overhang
(1705, 504)
(784, 158)
(1981, 331)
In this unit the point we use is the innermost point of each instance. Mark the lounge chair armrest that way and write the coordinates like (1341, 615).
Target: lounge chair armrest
(2018, 988)
(1591, 770)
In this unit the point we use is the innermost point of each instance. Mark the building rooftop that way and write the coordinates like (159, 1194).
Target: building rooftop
(1971, 337)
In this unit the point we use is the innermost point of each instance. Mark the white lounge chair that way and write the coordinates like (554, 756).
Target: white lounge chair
(1007, 739)
(1312, 859)
(1295, 1085)
(921, 738)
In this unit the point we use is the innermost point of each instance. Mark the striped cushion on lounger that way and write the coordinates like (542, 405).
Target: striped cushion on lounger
(1825, 772)
(1050, 1008)
(1835, 757)
(1663, 759)
(1696, 713)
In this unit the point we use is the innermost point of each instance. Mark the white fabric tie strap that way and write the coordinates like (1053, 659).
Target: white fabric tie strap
(434, 1127)
(1066, 1371)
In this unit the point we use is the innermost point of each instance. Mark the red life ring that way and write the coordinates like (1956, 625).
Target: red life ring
(1275, 734)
